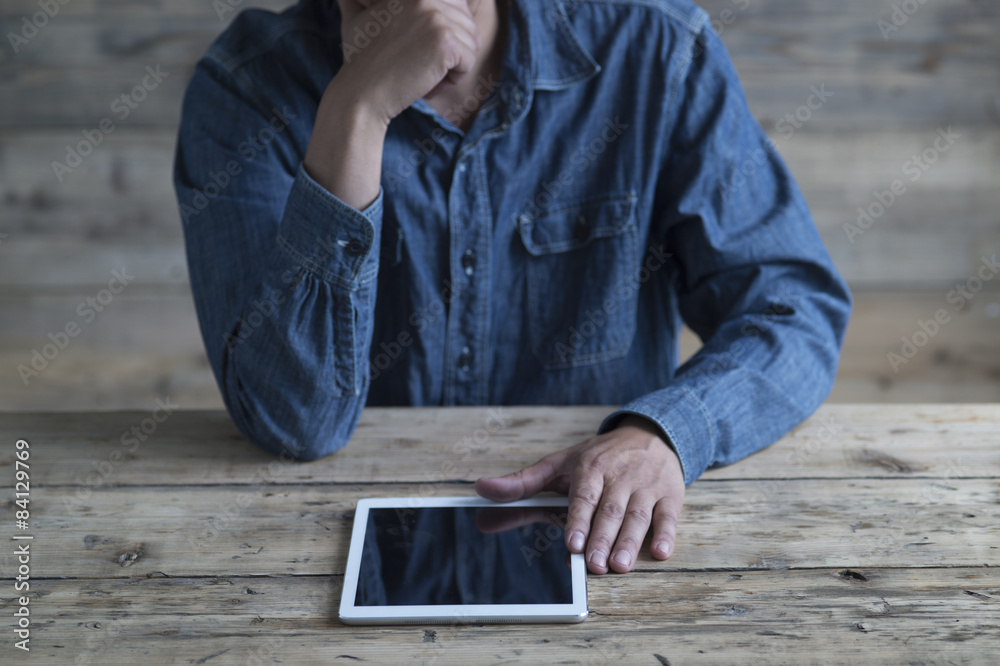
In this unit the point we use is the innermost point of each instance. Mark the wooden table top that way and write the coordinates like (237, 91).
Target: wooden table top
(869, 534)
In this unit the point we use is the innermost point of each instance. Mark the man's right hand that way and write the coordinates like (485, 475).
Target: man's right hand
(410, 49)
(418, 47)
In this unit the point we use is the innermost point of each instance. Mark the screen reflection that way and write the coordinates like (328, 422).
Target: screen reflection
(464, 555)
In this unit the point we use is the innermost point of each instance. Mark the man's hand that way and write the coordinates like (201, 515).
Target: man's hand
(406, 50)
(618, 483)
(418, 46)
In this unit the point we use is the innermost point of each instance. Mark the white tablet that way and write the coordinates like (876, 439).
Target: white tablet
(460, 560)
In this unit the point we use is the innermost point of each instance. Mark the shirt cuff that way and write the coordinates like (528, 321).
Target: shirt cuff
(684, 421)
(328, 237)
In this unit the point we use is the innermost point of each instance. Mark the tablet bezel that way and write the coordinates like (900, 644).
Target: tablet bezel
(576, 611)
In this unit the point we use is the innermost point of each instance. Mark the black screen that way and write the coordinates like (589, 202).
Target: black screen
(469, 555)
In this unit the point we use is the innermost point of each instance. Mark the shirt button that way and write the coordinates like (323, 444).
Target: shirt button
(465, 359)
(461, 167)
(354, 247)
(469, 262)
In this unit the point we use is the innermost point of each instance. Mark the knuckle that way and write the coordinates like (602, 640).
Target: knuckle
(587, 495)
(600, 541)
(613, 510)
(630, 543)
(638, 514)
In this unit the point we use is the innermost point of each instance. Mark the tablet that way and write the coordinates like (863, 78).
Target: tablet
(460, 560)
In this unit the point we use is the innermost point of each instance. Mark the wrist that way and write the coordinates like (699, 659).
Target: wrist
(646, 425)
(345, 150)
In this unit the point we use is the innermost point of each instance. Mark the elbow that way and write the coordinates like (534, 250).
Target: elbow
(299, 431)
(298, 438)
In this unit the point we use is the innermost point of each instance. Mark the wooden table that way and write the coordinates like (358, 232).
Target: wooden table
(870, 534)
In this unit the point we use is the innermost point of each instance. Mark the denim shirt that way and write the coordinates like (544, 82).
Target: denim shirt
(612, 185)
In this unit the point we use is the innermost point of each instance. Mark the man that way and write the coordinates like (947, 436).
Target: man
(453, 202)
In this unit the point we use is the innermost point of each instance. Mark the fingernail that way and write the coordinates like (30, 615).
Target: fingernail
(663, 547)
(623, 558)
(599, 559)
(576, 542)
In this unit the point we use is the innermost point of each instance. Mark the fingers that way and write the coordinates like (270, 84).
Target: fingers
(523, 483)
(665, 516)
(632, 532)
(607, 522)
(458, 36)
(584, 498)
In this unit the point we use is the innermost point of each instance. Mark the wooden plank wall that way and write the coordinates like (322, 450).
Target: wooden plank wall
(892, 91)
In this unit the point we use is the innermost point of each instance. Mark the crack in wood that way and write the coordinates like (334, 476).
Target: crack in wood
(850, 574)
(977, 595)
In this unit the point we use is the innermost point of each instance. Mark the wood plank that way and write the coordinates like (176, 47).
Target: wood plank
(921, 76)
(147, 345)
(928, 73)
(120, 202)
(138, 348)
(145, 9)
(458, 445)
(99, 532)
(895, 615)
(960, 363)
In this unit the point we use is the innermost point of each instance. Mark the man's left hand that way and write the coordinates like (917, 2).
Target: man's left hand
(618, 483)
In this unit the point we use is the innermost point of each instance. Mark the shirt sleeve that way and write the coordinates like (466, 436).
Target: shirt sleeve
(753, 281)
(283, 273)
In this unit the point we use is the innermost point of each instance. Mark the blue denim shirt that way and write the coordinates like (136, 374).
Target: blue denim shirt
(612, 184)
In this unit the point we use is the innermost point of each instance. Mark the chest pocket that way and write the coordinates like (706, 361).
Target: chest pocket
(581, 268)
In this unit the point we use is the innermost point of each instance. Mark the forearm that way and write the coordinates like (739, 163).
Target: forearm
(293, 373)
(345, 151)
(759, 375)
(288, 327)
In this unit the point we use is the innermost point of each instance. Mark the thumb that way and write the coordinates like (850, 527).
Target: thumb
(521, 484)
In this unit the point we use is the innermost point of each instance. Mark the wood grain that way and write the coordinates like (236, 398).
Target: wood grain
(106, 532)
(146, 345)
(879, 546)
(799, 616)
(458, 445)
(119, 205)
(931, 70)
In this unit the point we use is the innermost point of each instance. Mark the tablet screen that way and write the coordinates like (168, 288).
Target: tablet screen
(430, 556)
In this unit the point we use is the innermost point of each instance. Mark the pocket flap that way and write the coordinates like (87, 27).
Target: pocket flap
(574, 225)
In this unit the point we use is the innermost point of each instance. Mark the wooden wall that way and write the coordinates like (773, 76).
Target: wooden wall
(60, 241)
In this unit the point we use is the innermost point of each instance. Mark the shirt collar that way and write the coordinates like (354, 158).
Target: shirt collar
(543, 47)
